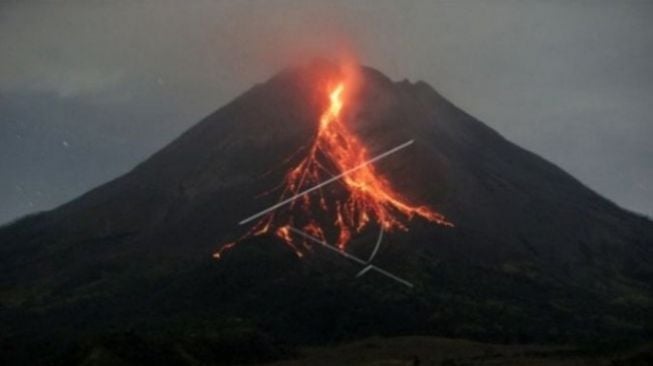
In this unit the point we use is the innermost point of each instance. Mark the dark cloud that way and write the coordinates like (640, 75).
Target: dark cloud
(89, 89)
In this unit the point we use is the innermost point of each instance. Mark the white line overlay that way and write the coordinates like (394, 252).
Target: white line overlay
(367, 265)
(330, 180)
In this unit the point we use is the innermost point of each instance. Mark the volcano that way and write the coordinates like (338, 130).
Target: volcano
(369, 198)
(498, 243)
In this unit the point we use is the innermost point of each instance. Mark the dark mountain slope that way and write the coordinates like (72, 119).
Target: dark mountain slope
(535, 255)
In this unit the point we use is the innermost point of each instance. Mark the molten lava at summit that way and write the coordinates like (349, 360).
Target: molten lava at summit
(362, 199)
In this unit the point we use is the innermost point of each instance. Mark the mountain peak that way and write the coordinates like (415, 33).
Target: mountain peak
(533, 251)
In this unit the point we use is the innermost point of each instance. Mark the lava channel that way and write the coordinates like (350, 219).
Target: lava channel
(360, 199)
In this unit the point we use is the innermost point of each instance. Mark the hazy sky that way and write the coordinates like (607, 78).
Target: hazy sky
(90, 88)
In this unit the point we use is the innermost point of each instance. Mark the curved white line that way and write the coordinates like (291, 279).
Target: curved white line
(351, 257)
(378, 244)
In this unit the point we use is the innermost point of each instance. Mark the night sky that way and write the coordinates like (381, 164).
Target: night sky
(88, 89)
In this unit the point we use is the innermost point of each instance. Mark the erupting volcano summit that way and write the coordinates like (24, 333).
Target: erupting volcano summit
(363, 198)
(534, 254)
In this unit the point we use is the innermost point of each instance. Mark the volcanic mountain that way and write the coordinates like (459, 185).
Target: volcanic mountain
(500, 244)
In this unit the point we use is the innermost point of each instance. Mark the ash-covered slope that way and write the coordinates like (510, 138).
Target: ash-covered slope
(534, 255)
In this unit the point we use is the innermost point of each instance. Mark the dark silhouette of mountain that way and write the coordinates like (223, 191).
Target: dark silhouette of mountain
(535, 256)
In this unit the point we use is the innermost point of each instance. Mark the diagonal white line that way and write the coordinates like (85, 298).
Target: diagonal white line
(328, 246)
(351, 257)
(363, 271)
(390, 275)
(330, 180)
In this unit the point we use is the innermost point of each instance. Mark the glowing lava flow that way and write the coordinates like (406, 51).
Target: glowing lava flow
(363, 198)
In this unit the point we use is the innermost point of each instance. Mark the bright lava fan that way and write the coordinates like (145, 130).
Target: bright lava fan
(361, 199)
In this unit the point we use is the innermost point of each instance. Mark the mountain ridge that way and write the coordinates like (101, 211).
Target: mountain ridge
(534, 254)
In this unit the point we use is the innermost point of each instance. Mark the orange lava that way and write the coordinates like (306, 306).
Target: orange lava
(358, 200)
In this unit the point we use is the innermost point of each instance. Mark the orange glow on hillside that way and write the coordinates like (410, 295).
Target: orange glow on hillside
(359, 200)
